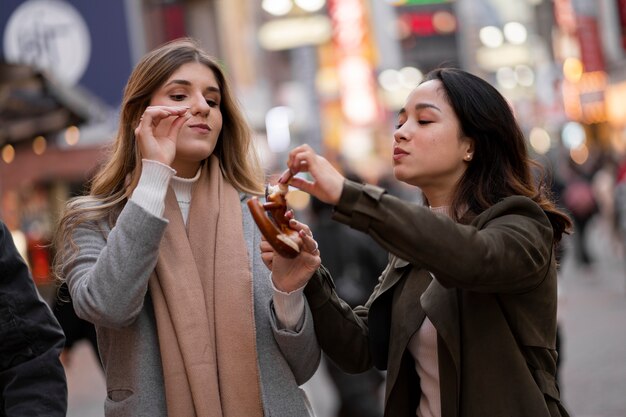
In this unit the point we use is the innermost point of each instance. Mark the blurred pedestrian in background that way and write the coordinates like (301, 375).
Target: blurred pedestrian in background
(355, 262)
(464, 319)
(579, 199)
(76, 329)
(161, 256)
(32, 379)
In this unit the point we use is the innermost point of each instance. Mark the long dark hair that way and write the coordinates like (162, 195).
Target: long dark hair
(500, 166)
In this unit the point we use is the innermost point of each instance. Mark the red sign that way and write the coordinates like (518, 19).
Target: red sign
(590, 45)
(420, 23)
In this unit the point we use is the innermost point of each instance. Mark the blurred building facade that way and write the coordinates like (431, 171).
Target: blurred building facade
(63, 65)
(331, 73)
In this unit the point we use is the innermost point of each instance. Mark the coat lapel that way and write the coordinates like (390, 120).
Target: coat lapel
(441, 306)
(437, 302)
(408, 316)
(394, 274)
(380, 311)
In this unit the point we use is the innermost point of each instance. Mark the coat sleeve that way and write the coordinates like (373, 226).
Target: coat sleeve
(108, 279)
(300, 349)
(342, 332)
(506, 249)
(32, 379)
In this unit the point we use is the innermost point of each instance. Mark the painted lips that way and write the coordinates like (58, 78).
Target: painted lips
(398, 154)
(201, 127)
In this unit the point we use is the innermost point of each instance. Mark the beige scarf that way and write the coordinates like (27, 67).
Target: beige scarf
(202, 295)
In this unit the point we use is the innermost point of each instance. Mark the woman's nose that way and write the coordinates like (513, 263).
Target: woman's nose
(399, 135)
(200, 106)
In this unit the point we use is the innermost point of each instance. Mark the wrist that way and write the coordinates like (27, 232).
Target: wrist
(338, 189)
(285, 288)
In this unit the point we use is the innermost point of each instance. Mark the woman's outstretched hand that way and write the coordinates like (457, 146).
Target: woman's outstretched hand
(327, 182)
(289, 274)
(157, 132)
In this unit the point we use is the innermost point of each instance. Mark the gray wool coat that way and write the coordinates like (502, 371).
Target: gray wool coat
(109, 287)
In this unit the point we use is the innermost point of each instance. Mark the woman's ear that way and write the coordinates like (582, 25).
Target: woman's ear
(469, 149)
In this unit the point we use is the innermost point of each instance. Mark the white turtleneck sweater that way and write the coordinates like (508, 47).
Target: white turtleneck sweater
(152, 188)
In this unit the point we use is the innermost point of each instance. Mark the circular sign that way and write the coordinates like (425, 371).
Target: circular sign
(50, 35)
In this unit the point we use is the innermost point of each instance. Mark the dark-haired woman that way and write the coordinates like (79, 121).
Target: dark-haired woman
(464, 316)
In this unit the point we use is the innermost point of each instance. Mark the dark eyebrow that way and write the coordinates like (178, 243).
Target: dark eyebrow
(420, 106)
(209, 89)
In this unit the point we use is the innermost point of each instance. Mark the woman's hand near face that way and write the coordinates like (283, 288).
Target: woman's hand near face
(290, 274)
(327, 183)
(156, 135)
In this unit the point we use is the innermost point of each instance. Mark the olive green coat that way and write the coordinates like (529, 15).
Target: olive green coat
(493, 301)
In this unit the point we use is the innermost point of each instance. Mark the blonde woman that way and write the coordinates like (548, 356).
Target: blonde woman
(161, 257)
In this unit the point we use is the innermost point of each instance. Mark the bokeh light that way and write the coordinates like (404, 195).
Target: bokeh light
(491, 36)
(579, 154)
(310, 5)
(410, 77)
(540, 140)
(573, 135)
(39, 145)
(8, 153)
(277, 122)
(72, 135)
(505, 77)
(277, 7)
(515, 33)
(572, 69)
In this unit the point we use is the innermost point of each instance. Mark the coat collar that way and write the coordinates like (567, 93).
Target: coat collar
(397, 264)
(440, 304)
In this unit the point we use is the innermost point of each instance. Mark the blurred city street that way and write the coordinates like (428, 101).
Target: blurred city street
(593, 310)
(593, 313)
(334, 75)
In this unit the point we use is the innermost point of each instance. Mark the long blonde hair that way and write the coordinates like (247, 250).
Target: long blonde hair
(114, 182)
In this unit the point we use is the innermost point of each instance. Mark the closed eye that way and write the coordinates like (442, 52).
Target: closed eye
(425, 122)
(178, 97)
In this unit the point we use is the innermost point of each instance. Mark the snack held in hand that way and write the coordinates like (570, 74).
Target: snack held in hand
(275, 227)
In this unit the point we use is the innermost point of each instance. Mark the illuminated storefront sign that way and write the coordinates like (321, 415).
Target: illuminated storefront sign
(356, 79)
(50, 35)
(294, 32)
(590, 45)
(583, 100)
(79, 42)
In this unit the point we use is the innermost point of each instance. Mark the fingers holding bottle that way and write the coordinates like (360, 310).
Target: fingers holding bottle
(157, 132)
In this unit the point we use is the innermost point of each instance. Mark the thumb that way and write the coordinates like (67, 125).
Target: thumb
(302, 184)
(177, 125)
